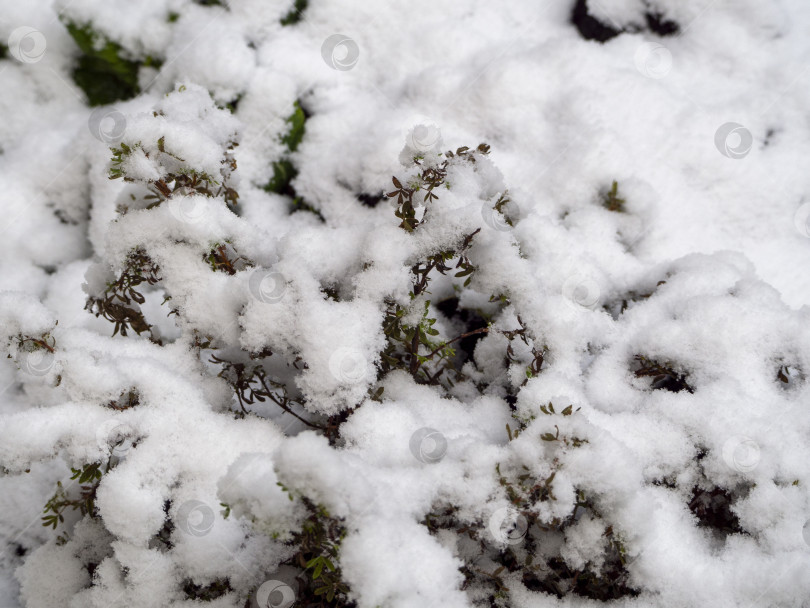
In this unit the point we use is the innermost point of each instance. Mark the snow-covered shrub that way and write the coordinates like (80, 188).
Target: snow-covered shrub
(262, 363)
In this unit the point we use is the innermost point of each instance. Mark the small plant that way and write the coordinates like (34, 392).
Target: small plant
(664, 375)
(206, 593)
(120, 303)
(223, 258)
(404, 339)
(713, 509)
(283, 169)
(317, 555)
(296, 13)
(619, 306)
(89, 477)
(127, 400)
(180, 179)
(538, 354)
(251, 383)
(611, 199)
(789, 375)
(30, 344)
(428, 181)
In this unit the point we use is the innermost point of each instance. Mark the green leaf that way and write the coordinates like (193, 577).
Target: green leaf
(102, 72)
(295, 14)
(295, 133)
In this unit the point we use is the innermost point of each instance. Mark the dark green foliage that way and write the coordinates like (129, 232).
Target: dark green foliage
(251, 383)
(190, 181)
(317, 557)
(103, 72)
(296, 13)
(163, 539)
(410, 346)
(89, 476)
(591, 28)
(524, 491)
(283, 169)
(405, 340)
(475, 321)
(429, 180)
(538, 354)
(501, 206)
(206, 593)
(550, 574)
(295, 134)
(713, 510)
(318, 553)
(618, 306)
(233, 104)
(664, 375)
(283, 174)
(121, 301)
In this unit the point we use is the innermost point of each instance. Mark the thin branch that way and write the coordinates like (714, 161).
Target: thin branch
(482, 330)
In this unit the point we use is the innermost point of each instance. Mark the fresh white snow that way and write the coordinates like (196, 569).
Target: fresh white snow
(702, 273)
